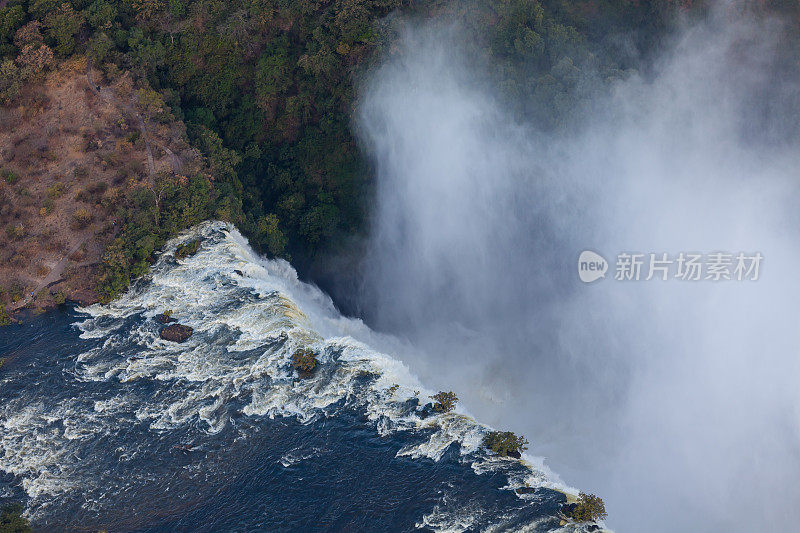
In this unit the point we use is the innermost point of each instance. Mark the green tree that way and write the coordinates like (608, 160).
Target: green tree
(444, 402)
(589, 508)
(269, 235)
(11, 18)
(304, 360)
(100, 45)
(63, 24)
(505, 443)
(144, 9)
(12, 521)
(10, 81)
(114, 272)
(4, 318)
(101, 15)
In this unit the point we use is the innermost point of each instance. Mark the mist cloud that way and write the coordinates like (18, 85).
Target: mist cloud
(676, 402)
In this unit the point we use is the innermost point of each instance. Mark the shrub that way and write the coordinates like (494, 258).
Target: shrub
(12, 521)
(83, 196)
(115, 272)
(111, 199)
(80, 173)
(47, 207)
(152, 104)
(589, 508)
(188, 248)
(269, 236)
(16, 292)
(10, 176)
(30, 33)
(55, 190)
(59, 298)
(304, 360)
(505, 443)
(15, 232)
(97, 188)
(112, 159)
(121, 175)
(4, 318)
(10, 82)
(35, 59)
(445, 402)
(82, 217)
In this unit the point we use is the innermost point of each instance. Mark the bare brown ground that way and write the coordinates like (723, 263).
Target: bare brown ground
(75, 150)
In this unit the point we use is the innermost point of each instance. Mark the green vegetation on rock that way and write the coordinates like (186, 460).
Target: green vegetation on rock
(589, 508)
(4, 318)
(505, 443)
(304, 360)
(147, 224)
(186, 249)
(444, 402)
(12, 521)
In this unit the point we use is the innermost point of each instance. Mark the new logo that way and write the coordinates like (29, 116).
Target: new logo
(591, 266)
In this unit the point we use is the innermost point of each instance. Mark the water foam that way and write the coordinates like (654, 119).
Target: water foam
(249, 315)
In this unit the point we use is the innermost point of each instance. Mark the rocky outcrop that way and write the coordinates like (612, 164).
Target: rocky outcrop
(165, 318)
(188, 248)
(426, 411)
(176, 332)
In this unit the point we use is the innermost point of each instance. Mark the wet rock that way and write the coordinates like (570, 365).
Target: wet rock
(426, 411)
(514, 454)
(412, 404)
(176, 333)
(165, 318)
(526, 490)
(593, 527)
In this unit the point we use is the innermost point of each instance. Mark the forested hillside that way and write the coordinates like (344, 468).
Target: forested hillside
(266, 90)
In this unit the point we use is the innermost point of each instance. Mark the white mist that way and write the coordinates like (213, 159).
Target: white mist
(677, 402)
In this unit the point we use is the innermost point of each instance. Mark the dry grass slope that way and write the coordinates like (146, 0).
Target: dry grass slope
(68, 153)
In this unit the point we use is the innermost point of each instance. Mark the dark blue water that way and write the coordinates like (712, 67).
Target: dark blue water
(346, 478)
(105, 426)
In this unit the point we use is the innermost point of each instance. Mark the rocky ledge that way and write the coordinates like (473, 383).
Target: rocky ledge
(165, 318)
(176, 332)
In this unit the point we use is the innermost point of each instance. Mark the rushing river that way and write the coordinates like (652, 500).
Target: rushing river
(103, 425)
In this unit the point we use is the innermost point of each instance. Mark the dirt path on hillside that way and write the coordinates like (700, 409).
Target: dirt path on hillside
(108, 95)
(51, 278)
(79, 142)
